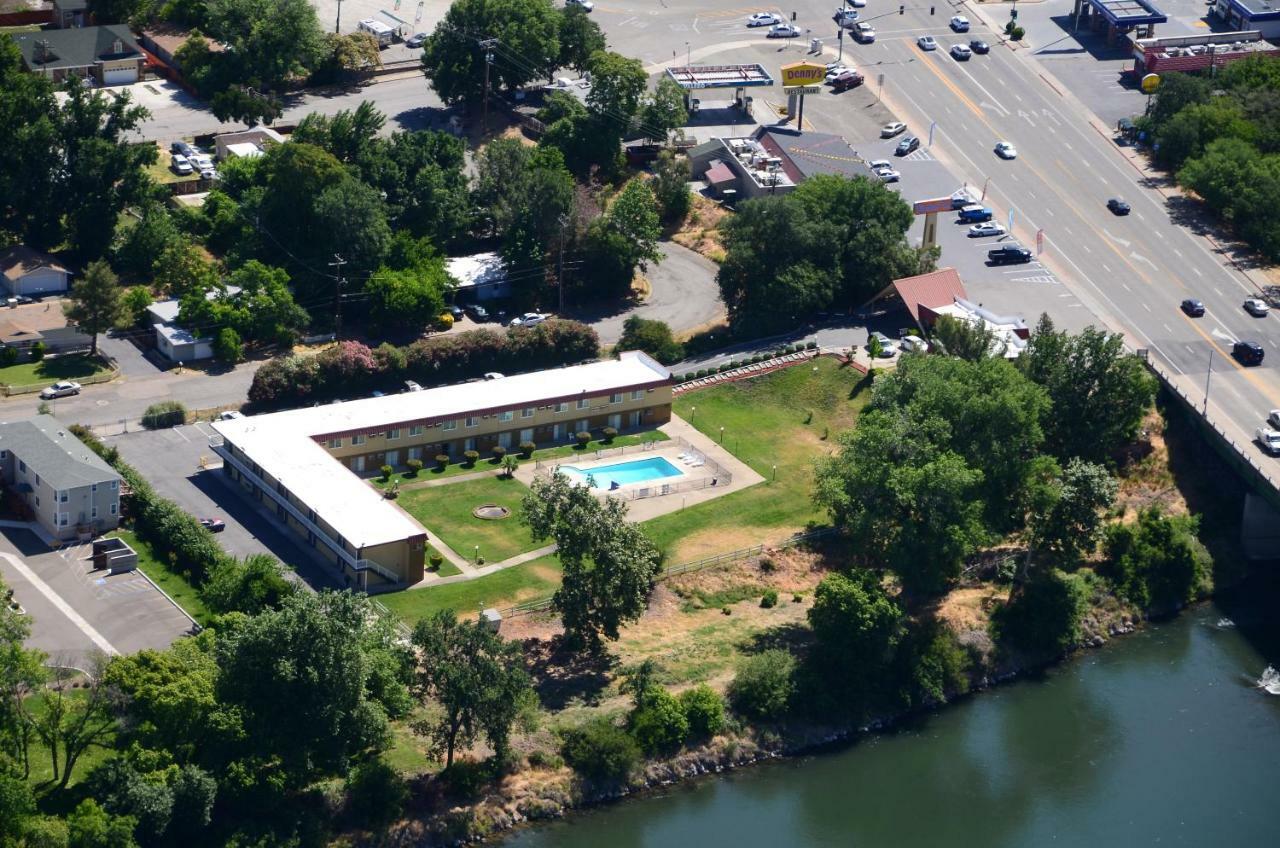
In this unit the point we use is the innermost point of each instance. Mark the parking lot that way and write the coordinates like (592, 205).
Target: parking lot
(77, 612)
(178, 462)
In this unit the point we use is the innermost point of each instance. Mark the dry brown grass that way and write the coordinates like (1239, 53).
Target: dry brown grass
(1145, 479)
(701, 229)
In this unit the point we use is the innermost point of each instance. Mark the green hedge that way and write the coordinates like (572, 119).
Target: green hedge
(167, 413)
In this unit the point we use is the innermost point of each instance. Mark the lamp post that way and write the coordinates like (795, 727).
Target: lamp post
(477, 559)
(984, 189)
(688, 53)
(775, 472)
(722, 435)
(693, 413)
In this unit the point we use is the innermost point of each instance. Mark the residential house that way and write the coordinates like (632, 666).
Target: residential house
(482, 276)
(104, 55)
(175, 342)
(29, 272)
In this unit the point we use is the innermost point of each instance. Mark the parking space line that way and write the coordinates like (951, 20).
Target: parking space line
(177, 429)
(54, 598)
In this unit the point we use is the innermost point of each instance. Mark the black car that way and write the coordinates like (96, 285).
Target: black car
(181, 147)
(1249, 353)
(456, 312)
(416, 40)
(907, 145)
(1118, 206)
(478, 313)
(1193, 307)
(213, 525)
(979, 46)
(1009, 253)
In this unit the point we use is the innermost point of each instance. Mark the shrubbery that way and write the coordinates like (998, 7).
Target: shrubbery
(763, 686)
(1042, 617)
(527, 449)
(166, 413)
(659, 723)
(703, 711)
(583, 437)
(609, 434)
(414, 466)
(471, 457)
(600, 750)
(1156, 563)
(442, 461)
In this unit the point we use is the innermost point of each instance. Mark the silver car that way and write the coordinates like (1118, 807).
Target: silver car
(62, 388)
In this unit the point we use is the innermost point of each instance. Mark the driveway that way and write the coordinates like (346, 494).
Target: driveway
(682, 292)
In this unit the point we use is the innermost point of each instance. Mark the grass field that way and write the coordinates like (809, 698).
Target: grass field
(175, 586)
(74, 367)
(538, 578)
(433, 472)
(446, 512)
(788, 419)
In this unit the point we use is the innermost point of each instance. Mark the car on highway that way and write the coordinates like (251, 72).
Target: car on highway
(986, 228)
(1005, 150)
(1273, 419)
(1269, 439)
(960, 52)
(416, 40)
(1256, 307)
(979, 46)
(1248, 352)
(529, 319)
(784, 31)
(760, 19)
(975, 214)
(846, 81)
(845, 17)
(907, 145)
(62, 388)
(888, 175)
(863, 33)
(213, 525)
(891, 129)
(1118, 206)
(1008, 254)
(960, 23)
(1193, 307)
(927, 42)
(584, 5)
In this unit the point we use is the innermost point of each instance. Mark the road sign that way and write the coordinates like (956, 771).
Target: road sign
(925, 207)
(1039, 241)
(1150, 83)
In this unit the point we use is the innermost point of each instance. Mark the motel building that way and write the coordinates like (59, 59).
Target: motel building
(306, 467)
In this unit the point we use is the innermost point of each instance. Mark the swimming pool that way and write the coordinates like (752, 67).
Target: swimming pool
(623, 473)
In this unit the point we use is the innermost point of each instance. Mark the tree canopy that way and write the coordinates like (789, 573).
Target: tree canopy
(527, 33)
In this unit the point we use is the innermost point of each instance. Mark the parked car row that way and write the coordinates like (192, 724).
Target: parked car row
(185, 159)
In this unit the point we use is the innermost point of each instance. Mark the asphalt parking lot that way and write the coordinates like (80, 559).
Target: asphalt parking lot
(178, 462)
(77, 612)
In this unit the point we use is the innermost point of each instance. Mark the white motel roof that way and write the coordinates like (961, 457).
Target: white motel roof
(284, 444)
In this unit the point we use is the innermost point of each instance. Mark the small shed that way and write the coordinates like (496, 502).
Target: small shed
(30, 272)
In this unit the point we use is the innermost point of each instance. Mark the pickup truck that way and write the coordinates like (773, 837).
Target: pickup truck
(1008, 253)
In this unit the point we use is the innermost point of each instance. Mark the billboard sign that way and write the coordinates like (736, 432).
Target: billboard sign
(929, 207)
(803, 73)
(1150, 83)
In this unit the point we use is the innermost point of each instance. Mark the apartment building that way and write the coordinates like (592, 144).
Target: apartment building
(305, 465)
(68, 489)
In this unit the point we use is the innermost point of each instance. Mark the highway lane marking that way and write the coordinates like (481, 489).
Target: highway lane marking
(1168, 328)
(1126, 287)
(1190, 349)
(1106, 267)
(1144, 306)
(1086, 249)
(1217, 291)
(1179, 252)
(1068, 146)
(1198, 272)
(1049, 212)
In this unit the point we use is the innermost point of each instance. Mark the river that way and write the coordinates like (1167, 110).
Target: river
(1162, 737)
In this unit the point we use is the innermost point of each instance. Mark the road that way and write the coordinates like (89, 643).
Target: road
(1130, 272)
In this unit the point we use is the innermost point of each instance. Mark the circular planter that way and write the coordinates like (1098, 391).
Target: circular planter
(491, 512)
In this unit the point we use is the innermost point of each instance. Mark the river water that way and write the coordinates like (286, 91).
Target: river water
(1162, 737)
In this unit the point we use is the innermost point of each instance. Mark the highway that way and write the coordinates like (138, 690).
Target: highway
(1132, 272)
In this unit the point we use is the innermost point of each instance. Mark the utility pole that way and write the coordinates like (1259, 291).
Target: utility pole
(564, 224)
(338, 23)
(339, 284)
(487, 46)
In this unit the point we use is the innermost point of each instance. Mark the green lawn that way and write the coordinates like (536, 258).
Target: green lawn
(38, 753)
(175, 585)
(538, 578)
(74, 367)
(433, 472)
(446, 569)
(446, 511)
(788, 419)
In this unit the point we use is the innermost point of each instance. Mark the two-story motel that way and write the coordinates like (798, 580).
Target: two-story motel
(305, 465)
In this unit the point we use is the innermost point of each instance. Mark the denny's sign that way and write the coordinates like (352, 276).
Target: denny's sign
(802, 73)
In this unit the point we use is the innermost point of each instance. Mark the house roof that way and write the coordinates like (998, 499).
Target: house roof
(79, 47)
(18, 261)
(170, 36)
(166, 311)
(71, 5)
(935, 290)
(812, 153)
(49, 449)
(719, 172)
(175, 335)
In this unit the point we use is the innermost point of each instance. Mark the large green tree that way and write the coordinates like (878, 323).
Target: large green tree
(580, 37)
(1065, 518)
(528, 46)
(96, 302)
(21, 673)
(855, 624)
(609, 563)
(622, 241)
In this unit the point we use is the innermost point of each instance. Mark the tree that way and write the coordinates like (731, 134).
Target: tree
(620, 242)
(182, 270)
(1176, 92)
(600, 750)
(264, 308)
(652, 337)
(580, 38)
(228, 348)
(90, 826)
(855, 625)
(124, 791)
(270, 42)
(476, 677)
(609, 564)
(664, 111)
(96, 302)
(617, 86)
(971, 340)
(671, 176)
(1156, 562)
(246, 105)
(145, 241)
(349, 135)
(1042, 617)
(763, 685)
(703, 710)
(1065, 521)
(658, 722)
(1186, 134)
(21, 673)
(528, 46)
(17, 807)
(409, 299)
(250, 586)
(75, 719)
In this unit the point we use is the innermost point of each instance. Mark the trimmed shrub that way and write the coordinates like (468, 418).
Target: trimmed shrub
(810, 345)
(770, 599)
(442, 461)
(609, 434)
(600, 750)
(764, 684)
(166, 413)
(414, 466)
(436, 561)
(659, 723)
(37, 351)
(387, 471)
(471, 457)
(583, 438)
(499, 452)
(8, 356)
(527, 449)
(703, 711)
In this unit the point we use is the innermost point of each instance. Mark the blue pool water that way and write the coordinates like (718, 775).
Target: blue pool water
(622, 473)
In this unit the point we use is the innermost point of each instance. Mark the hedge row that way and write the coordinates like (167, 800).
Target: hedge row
(351, 368)
(740, 363)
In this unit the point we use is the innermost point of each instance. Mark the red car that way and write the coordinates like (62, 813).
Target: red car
(846, 81)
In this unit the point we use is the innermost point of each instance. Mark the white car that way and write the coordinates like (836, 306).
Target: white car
(229, 415)
(760, 19)
(888, 347)
(890, 130)
(863, 33)
(832, 73)
(1273, 419)
(987, 228)
(927, 42)
(584, 5)
(784, 31)
(878, 164)
(494, 375)
(888, 175)
(1005, 150)
(529, 319)
(62, 388)
(961, 52)
(1269, 439)
(845, 17)
(1256, 307)
(180, 164)
(960, 23)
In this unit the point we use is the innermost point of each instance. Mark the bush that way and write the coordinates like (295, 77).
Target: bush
(810, 345)
(8, 356)
(527, 449)
(376, 794)
(414, 466)
(770, 599)
(228, 347)
(471, 457)
(659, 723)
(1042, 617)
(583, 438)
(166, 413)
(37, 351)
(436, 561)
(545, 759)
(652, 337)
(1157, 562)
(601, 751)
(387, 471)
(609, 434)
(703, 710)
(499, 452)
(442, 461)
(763, 686)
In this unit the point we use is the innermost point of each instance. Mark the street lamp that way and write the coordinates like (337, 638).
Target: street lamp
(722, 435)
(775, 472)
(693, 413)
(984, 189)
(687, 55)
(477, 559)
